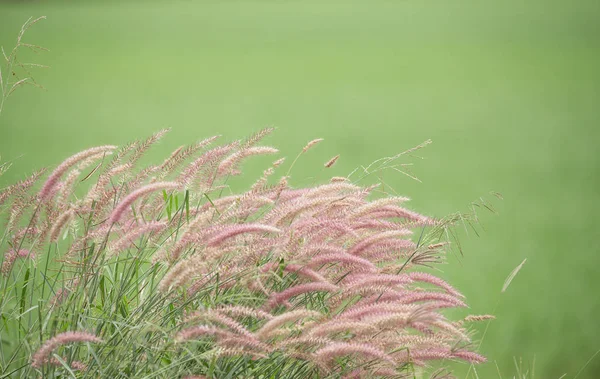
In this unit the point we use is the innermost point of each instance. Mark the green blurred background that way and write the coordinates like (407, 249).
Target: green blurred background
(509, 91)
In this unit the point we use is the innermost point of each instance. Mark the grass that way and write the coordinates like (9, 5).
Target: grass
(507, 91)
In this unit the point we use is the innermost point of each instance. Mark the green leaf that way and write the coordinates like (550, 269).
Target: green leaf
(24, 291)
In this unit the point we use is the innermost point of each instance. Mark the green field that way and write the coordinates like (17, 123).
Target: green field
(508, 91)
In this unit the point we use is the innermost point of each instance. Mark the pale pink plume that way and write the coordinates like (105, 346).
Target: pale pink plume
(338, 349)
(332, 161)
(280, 297)
(58, 225)
(335, 188)
(415, 296)
(234, 230)
(130, 237)
(375, 238)
(469, 356)
(278, 162)
(360, 311)
(293, 268)
(240, 310)
(431, 279)
(337, 326)
(229, 163)
(311, 144)
(11, 256)
(21, 186)
(214, 155)
(476, 318)
(48, 187)
(285, 318)
(222, 319)
(342, 258)
(365, 280)
(125, 204)
(200, 331)
(75, 365)
(43, 354)
(377, 204)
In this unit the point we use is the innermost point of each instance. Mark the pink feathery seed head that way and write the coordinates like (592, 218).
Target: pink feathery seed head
(337, 188)
(344, 259)
(11, 256)
(367, 279)
(129, 238)
(327, 226)
(294, 268)
(322, 248)
(337, 326)
(21, 186)
(133, 196)
(390, 211)
(375, 238)
(377, 204)
(59, 224)
(29, 231)
(284, 318)
(211, 156)
(280, 297)
(431, 279)
(227, 321)
(197, 285)
(42, 355)
(416, 296)
(290, 194)
(339, 179)
(425, 355)
(199, 331)
(475, 318)
(278, 162)
(360, 311)
(448, 327)
(311, 144)
(244, 342)
(469, 356)
(240, 310)
(337, 349)
(234, 230)
(48, 187)
(228, 164)
(172, 157)
(332, 161)
(75, 365)
(377, 224)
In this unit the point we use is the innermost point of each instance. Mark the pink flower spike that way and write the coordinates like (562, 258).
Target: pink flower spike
(280, 297)
(129, 199)
(42, 355)
(125, 241)
(375, 238)
(298, 269)
(234, 230)
(48, 187)
(343, 258)
(199, 331)
(469, 356)
(11, 256)
(431, 279)
(337, 349)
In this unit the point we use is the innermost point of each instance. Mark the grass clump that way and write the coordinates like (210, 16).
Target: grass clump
(114, 269)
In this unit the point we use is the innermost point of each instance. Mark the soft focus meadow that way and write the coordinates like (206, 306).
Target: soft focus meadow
(508, 92)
